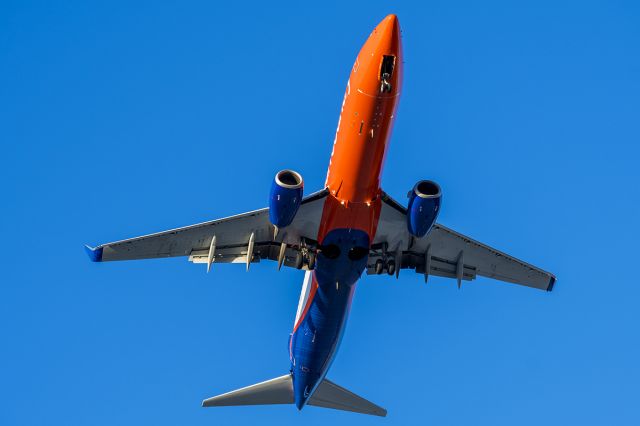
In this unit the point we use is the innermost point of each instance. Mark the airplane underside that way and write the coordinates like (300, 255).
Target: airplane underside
(348, 227)
(317, 333)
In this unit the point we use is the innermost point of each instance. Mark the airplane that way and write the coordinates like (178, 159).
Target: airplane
(334, 235)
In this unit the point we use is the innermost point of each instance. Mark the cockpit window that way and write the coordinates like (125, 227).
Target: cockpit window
(386, 70)
(357, 253)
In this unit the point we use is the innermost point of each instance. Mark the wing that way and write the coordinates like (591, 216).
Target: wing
(446, 253)
(228, 240)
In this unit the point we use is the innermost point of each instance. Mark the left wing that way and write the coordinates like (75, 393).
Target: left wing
(446, 253)
(245, 238)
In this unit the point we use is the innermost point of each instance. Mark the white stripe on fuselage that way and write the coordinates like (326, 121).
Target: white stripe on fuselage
(304, 295)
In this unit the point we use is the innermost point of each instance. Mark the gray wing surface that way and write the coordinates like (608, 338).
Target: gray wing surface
(447, 253)
(232, 238)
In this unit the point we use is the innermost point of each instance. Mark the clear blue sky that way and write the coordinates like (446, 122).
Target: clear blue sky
(118, 120)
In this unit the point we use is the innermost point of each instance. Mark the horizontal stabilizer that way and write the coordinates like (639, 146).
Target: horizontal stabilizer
(274, 391)
(280, 391)
(330, 395)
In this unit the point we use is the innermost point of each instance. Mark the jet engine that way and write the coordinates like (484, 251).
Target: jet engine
(423, 208)
(285, 197)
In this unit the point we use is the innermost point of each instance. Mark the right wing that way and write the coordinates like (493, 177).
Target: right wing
(446, 253)
(233, 237)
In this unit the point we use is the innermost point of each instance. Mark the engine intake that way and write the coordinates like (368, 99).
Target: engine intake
(423, 208)
(285, 197)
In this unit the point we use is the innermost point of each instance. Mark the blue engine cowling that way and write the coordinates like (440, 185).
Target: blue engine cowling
(285, 197)
(424, 205)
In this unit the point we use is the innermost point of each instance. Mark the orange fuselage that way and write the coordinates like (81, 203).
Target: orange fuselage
(363, 132)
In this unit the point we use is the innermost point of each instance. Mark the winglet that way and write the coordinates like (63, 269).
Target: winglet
(95, 254)
(552, 281)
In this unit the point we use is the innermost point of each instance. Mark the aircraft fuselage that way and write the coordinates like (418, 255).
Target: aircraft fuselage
(351, 211)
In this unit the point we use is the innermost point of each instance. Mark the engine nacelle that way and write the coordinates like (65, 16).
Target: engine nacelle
(423, 208)
(285, 197)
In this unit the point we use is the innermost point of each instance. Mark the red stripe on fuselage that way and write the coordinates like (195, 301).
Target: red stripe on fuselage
(312, 293)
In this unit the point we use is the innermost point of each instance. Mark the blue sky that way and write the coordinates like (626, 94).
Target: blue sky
(120, 119)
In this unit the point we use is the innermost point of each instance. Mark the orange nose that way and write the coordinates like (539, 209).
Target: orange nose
(388, 36)
(384, 42)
